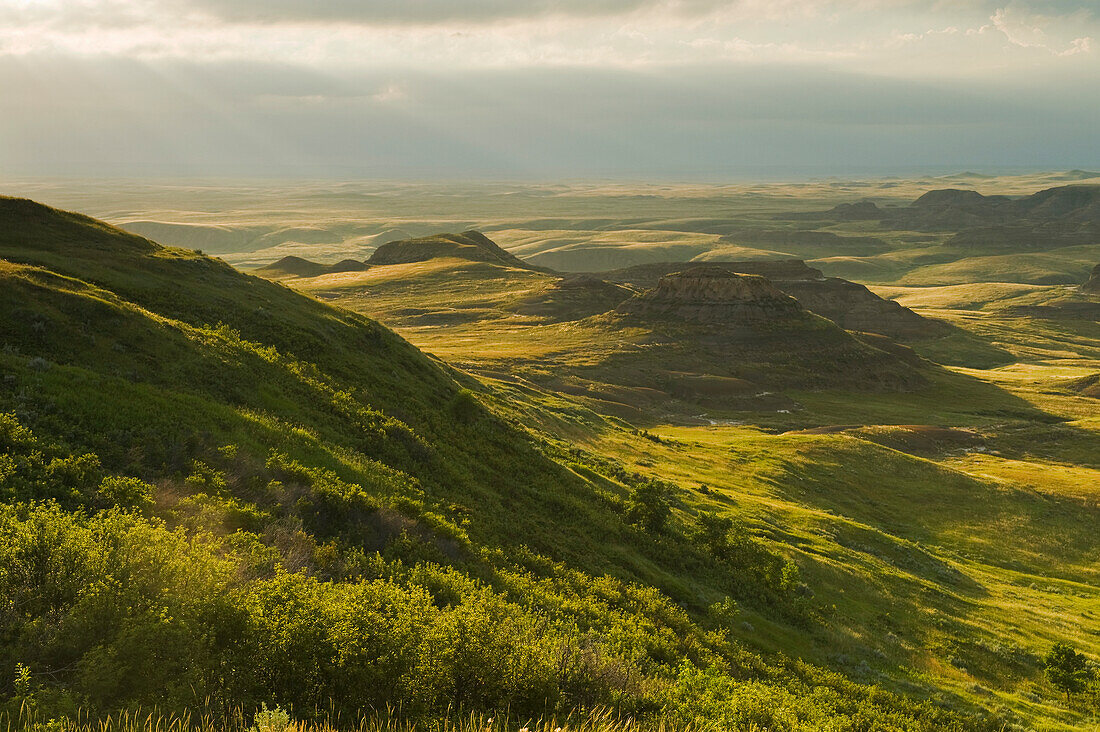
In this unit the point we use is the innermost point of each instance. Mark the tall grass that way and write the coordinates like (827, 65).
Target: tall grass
(28, 719)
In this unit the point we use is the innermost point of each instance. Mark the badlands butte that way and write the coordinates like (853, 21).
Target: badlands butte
(702, 334)
(806, 456)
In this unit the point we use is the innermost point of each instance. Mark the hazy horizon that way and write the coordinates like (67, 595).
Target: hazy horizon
(763, 175)
(556, 89)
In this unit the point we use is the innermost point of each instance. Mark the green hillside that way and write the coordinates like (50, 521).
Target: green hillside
(218, 493)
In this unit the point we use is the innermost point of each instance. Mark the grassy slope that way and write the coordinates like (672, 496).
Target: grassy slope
(148, 329)
(909, 552)
(904, 540)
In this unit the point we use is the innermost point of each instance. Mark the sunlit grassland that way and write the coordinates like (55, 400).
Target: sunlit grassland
(954, 565)
(951, 399)
(1058, 266)
(463, 312)
(1038, 475)
(969, 296)
(911, 555)
(1038, 354)
(444, 288)
(1016, 519)
(596, 250)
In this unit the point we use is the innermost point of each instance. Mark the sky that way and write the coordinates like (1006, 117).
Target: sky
(546, 89)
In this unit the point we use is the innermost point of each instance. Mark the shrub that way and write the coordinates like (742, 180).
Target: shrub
(465, 406)
(112, 609)
(331, 506)
(270, 720)
(1067, 669)
(115, 490)
(649, 507)
(754, 571)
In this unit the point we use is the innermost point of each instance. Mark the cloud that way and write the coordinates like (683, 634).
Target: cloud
(391, 93)
(1079, 45)
(549, 87)
(125, 118)
(409, 11)
(1019, 27)
(1028, 29)
(436, 12)
(885, 36)
(119, 13)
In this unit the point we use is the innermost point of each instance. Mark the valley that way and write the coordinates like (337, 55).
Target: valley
(813, 456)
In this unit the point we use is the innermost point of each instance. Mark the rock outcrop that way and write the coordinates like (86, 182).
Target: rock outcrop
(1085, 386)
(850, 305)
(646, 276)
(347, 265)
(858, 211)
(710, 321)
(1092, 286)
(469, 245)
(1067, 204)
(946, 198)
(712, 294)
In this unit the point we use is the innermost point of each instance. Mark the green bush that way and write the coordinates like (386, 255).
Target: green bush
(1068, 670)
(115, 490)
(31, 470)
(465, 407)
(649, 507)
(753, 570)
(113, 609)
(270, 720)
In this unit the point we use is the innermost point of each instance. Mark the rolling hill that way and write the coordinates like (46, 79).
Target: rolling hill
(955, 208)
(850, 305)
(603, 335)
(470, 245)
(217, 491)
(708, 321)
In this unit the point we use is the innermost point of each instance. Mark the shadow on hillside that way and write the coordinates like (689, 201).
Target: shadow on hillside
(941, 509)
(959, 347)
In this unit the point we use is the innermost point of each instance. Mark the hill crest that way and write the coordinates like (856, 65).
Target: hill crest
(47, 229)
(713, 294)
(850, 305)
(292, 266)
(471, 245)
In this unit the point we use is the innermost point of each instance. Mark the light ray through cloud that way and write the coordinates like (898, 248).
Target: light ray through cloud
(602, 86)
